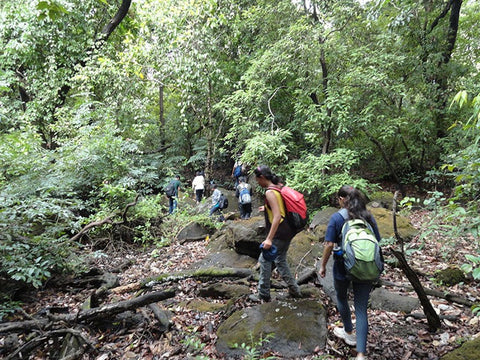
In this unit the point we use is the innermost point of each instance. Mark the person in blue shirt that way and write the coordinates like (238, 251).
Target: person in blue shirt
(354, 202)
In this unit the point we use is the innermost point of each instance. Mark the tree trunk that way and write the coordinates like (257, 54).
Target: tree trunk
(161, 115)
(386, 159)
(432, 317)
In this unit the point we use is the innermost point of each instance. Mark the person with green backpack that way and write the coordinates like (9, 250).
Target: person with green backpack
(357, 265)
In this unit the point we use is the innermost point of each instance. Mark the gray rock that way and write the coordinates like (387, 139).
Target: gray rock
(296, 328)
(383, 299)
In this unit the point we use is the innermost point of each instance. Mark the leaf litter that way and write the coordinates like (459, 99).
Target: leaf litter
(192, 334)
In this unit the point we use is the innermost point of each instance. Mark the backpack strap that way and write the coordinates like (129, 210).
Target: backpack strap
(283, 208)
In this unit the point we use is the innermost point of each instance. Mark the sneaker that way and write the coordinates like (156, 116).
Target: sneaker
(259, 298)
(350, 339)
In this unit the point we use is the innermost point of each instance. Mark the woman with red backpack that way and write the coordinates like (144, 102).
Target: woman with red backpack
(279, 235)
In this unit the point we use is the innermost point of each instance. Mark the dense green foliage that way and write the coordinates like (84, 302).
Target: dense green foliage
(325, 92)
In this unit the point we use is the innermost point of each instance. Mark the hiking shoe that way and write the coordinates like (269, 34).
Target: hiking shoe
(294, 293)
(259, 298)
(350, 339)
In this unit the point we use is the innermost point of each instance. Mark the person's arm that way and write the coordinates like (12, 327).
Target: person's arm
(277, 217)
(327, 250)
(375, 229)
(330, 237)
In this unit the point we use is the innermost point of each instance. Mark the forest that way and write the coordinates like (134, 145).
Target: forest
(103, 102)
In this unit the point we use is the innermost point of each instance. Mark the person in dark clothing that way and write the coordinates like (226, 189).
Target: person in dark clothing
(173, 200)
(279, 233)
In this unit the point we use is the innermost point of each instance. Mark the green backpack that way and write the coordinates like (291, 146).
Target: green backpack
(361, 252)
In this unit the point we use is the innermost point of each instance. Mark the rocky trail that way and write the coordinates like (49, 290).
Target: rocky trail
(190, 332)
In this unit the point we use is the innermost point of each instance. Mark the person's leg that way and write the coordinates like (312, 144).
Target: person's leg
(264, 278)
(241, 210)
(341, 289)
(213, 209)
(284, 269)
(248, 210)
(174, 206)
(200, 195)
(170, 205)
(361, 293)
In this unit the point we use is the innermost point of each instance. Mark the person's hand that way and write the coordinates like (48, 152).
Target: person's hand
(323, 271)
(261, 208)
(267, 244)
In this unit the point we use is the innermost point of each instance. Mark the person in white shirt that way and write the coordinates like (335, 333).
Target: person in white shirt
(198, 186)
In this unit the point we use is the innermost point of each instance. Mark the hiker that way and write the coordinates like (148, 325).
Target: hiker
(198, 186)
(279, 235)
(244, 194)
(216, 202)
(354, 202)
(238, 170)
(172, 193)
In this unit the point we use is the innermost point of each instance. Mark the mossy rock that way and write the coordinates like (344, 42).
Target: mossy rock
(304, 249)
(382, 199)
(468, 351)
(202, 305)
(450, 276)
(224, 291)
(296, 328)
(384, 219)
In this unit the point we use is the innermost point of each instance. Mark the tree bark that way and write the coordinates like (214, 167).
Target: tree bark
(432, 317)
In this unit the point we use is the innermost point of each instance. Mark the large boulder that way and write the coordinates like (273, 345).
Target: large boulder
(244, 237)
(296, 328)
(193, 231)
(383, 217)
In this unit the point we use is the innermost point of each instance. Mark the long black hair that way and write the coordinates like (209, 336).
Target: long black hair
(355, 203)
(266, 172)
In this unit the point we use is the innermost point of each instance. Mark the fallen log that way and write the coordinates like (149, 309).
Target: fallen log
(44, 337)
(89, 314)
(107, 220)
(200, 273)
(439, 294)
(181, 275)
(422, 316)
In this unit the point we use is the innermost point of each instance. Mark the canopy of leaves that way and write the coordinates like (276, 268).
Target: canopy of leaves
(325, 93)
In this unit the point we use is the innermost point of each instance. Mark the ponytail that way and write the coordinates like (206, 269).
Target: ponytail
(266, 172)
(355, 203)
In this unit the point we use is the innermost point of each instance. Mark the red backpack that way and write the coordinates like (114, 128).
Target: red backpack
(295, 206)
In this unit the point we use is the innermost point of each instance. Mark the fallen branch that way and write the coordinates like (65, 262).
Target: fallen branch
(422, 316)
(102, 312)
(107, 220)
(40, 340)
(200, 273)
(439, 294)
